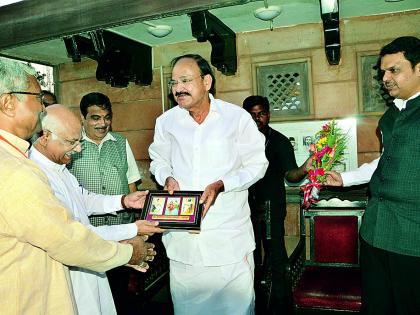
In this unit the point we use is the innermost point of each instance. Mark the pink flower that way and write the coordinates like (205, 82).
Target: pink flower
(319, 172)
(324, 150)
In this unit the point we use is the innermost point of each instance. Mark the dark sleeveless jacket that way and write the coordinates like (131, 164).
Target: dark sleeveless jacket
(392, 218)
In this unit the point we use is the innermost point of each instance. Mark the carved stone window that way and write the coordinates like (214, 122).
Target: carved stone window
(286, 87)
(373, 98)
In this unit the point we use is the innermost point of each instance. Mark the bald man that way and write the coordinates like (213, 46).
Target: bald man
(60, 139)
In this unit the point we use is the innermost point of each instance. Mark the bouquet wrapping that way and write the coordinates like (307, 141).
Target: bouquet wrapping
(326, 152)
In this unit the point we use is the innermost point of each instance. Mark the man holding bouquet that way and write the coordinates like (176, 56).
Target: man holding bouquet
(390, 232)
(267, 199)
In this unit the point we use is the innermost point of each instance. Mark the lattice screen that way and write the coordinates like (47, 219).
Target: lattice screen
(375, 98)
(286, 87)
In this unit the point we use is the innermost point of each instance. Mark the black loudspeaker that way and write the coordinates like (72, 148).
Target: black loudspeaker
(120, 60)
(205, 26)
(331, 25)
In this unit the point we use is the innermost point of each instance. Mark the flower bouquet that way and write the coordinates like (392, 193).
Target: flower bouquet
(326, 152)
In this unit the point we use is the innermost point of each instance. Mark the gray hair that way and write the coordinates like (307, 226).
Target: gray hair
(51, 123)
(14, 76)
(48, 122)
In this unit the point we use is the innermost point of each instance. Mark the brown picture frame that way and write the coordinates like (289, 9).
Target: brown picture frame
(181, 210)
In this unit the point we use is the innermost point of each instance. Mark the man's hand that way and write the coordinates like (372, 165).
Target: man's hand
(142, 251)
(148, 228)
(210, 194)
(138, 267)
(333, 178)
(171, 185)
(135, 199)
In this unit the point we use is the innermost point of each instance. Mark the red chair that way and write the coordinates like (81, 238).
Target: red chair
(324, 267)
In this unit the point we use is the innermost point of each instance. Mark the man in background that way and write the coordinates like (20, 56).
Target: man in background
(106, 166)
(209, 145)
(38, 238)
(390, 231)
(267, 199)
(49, 98)
(60, 139)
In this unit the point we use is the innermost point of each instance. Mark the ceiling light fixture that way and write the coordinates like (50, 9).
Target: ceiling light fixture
(159, 30)
(268, 13)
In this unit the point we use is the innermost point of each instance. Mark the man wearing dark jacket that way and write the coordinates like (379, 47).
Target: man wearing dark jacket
(267, 199)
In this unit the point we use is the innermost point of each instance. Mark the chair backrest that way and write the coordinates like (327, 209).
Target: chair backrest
(335, 239)
(333, 232)
(329, 280)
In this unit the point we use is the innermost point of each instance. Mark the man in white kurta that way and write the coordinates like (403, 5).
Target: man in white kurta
(91, 289)
(209, 145)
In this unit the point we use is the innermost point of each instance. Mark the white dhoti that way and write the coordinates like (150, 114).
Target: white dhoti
(219, 290)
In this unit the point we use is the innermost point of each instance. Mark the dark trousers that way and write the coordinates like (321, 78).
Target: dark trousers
(390, 282)
(118, 281)
(278, 299)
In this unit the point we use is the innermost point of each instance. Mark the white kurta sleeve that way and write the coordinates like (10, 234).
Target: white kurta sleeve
(361, 175)
(160, 153)
(252, 154)
(115, 232)
(133, 173)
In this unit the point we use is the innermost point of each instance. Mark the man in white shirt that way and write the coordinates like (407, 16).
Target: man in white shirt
(52, 151)
(390, 231)
(210, 145)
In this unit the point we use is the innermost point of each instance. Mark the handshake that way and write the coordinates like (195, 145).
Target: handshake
(143, 252)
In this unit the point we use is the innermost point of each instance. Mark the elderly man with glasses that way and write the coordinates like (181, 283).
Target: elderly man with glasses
(61, 138)
(38, 237)
(107, 166)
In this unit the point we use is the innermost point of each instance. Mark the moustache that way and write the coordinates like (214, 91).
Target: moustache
(182, 93)
(389, 84)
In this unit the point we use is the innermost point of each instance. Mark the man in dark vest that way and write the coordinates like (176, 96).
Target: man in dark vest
(267, 199)
(390, 232)
(106, 166)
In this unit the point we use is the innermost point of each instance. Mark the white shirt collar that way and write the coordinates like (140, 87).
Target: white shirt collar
(42, 160)
(401, 104)
(214, 107)
(107, 137)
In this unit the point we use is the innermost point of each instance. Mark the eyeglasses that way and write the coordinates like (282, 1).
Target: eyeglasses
(185, 81)
(70, 143)
(260, 114)
(39, 96)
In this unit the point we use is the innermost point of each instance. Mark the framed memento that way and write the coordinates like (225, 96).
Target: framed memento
(181, 210)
